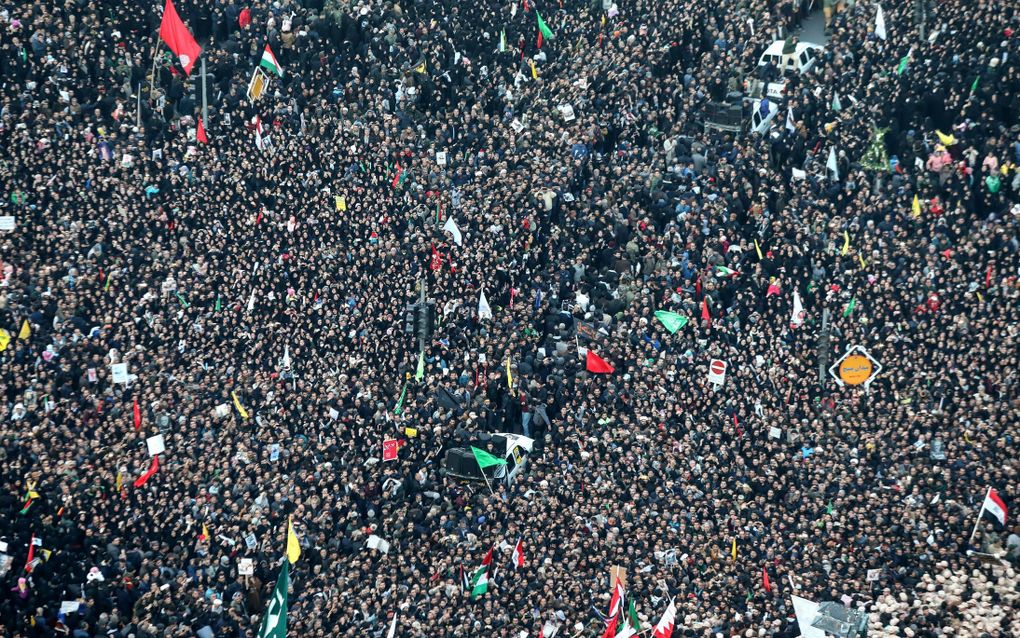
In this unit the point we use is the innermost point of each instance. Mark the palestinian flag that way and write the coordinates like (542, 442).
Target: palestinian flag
(480, 581)
(270, 64)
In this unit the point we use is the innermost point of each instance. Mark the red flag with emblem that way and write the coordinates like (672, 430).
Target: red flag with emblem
(174, 32)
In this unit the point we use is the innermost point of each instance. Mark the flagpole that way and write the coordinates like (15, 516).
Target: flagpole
(482, 470)
(152, 75)
(978, 521)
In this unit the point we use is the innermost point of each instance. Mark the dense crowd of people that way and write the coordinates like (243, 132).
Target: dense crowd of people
(257, 296)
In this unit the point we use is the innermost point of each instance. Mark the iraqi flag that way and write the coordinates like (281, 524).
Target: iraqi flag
(995, 506)
(174, 32)
(517, 557)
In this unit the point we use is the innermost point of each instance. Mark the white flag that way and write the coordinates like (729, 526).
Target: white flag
(790, 125)
(831, 163)
(484, 311)
(451, 227)
(286, 357)
(251, 300)
(393, 627)
(798, 310)
(879, 22)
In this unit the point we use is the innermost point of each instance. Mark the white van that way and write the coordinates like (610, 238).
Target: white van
(802, 60)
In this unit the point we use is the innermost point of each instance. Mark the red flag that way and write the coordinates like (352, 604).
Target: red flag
(140, 481)
(437, 259)
(765, 579)
(244, 18)
(988, 277)
(539, 39)
(705, 314)
(396, 178)
(174, 32)
(138, 415)
(611, 627)
(597, 364)
(200, 134)
(697, 287)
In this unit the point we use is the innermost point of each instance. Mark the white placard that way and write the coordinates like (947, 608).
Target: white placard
(119, 372)
(245, 567)
(775, 433)
(334, 414)
(374, 542)
(717, 371)
(441, 158)
(516, 126)
(69, 606)
(7, 222)
(567, 111)
(874, 574)
(250, 541)
(155, 445)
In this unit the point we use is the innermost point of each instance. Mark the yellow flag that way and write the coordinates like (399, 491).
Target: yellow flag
(5, 338)
(534, 72)
(509, 377)
(411, 432)
(341, 203)
(603, 20)
(120, 480)
(733, 550)
(240, 408)
(26, 330)
(293, 547)
(980, 298)
(861, 257)
(947, 140)
(846, 242)
(915, 208)
(420, 68)
(205, 533)
(757, 249)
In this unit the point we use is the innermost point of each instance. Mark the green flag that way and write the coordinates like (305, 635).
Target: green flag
(973, 87)
(400, 401)
(671, 320)
(274, 623)
(420, 374)
(903, 65)
(632, 616)
(218, 304)
(485, 459)
(547, 33)
(502, 40)
(725, 272)
(850, 307)
(480, 581)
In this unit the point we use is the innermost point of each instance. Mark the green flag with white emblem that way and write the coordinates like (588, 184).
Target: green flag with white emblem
(274, 623)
